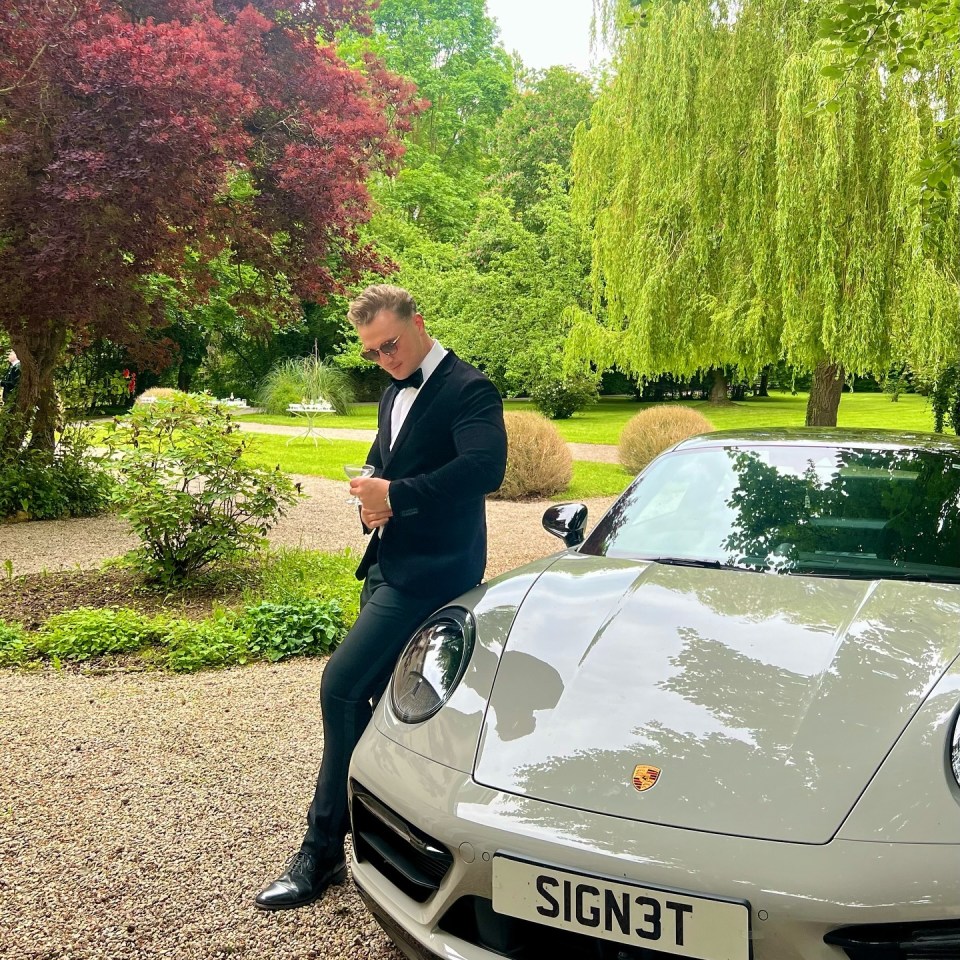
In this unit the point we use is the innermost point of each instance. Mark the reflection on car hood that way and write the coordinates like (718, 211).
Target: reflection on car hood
(767, 702)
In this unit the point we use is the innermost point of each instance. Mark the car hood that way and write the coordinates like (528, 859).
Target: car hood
(767, 702)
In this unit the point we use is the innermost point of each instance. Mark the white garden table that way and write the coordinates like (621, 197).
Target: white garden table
(309, 411)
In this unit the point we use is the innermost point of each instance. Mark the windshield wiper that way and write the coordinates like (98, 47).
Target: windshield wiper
(684, 562)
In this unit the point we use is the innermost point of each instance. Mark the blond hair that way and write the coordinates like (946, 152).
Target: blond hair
(381, 296)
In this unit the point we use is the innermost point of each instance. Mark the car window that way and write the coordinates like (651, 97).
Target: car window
(794, 508)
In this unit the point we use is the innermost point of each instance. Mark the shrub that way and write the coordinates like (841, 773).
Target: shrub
(307, 380)
(561, 399)
(651, 431)
(14, 646)
(186, 489)
(538, 460)
(86, 632)
(158, 393)
(217, 642)
(50, 486)
(296, 628)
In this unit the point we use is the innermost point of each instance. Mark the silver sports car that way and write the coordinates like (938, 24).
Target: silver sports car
(723, 727)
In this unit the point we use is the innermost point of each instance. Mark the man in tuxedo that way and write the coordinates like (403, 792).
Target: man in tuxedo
(441, 446)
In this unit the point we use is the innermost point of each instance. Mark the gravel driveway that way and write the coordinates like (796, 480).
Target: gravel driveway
(140, 813)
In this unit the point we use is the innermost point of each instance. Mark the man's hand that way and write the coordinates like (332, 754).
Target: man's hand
(372, 493)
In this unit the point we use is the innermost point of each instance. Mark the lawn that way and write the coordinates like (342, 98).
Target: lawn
(603, 422)
(327, 458)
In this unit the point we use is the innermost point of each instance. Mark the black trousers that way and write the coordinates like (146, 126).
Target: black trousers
(358, 670)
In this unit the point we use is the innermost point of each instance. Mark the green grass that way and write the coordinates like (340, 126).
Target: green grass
(361, 417)
(603, 422)
(327, 458)
(595, 480)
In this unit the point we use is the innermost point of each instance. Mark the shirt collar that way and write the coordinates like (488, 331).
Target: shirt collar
(432, 360)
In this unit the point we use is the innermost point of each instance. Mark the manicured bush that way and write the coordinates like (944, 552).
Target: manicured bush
(186, 489)
(538, 459)
(651, 431)
(561, 399)
(299, 627)
(88, 632)
(304, 380)
(157, 393)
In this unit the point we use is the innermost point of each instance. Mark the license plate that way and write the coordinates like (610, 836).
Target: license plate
(668, 921)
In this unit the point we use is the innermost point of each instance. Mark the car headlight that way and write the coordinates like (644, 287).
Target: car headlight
(955, 750)
(432, 664)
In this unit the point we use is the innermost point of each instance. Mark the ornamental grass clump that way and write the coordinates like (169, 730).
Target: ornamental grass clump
(651, 431)
(186, 489)
(304, 380)
(538, 459)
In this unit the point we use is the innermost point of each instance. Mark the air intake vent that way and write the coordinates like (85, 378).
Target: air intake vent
(936, 940)
(405, 855)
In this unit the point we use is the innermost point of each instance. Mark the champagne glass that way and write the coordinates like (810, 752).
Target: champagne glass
(358, 470)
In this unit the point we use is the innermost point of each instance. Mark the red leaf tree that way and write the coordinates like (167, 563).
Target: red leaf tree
(126, 127)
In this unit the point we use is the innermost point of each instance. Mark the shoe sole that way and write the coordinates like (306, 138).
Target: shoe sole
(334, 881)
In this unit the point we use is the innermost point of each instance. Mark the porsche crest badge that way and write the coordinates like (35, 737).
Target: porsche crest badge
(645, 776)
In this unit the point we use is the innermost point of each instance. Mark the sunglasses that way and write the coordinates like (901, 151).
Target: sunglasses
(388, 348)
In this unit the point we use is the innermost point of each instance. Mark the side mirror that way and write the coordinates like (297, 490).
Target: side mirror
(566, 521)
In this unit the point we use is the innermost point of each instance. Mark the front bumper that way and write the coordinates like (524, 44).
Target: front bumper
(797, 893)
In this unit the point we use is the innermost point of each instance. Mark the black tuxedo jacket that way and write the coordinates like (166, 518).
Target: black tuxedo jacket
(451, 451)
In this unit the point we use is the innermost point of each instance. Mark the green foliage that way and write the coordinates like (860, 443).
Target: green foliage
(217, 642)
(560, 399)
(15, 648)
(905, 36)
(945, 400)
(536, 130)
(88, 632)
(298, 627)
(304, 380)
(44, 486)
(187, 490)
(733, 226)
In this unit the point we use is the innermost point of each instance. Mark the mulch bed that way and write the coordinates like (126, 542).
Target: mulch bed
(30, 599)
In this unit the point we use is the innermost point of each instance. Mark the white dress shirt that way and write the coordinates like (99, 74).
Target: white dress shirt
(407, 396)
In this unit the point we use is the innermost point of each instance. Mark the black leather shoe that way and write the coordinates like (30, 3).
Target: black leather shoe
(304, 881)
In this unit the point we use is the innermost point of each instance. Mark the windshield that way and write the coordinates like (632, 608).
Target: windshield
(829, 511)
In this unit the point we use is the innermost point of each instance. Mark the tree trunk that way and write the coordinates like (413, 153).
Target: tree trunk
(718, 388)
(825, 391)
(36, 411)
(764, 382)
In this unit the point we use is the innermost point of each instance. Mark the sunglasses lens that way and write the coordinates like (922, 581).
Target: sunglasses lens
(388, 349)
(370, 355)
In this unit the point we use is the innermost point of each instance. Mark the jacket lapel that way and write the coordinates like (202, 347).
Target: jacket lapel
(424, 398)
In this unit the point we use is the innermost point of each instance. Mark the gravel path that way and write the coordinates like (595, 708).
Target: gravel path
(140, 813)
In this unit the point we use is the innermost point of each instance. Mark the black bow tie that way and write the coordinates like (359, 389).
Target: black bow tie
(414, 380)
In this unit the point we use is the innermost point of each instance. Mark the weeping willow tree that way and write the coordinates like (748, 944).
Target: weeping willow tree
(736, 224)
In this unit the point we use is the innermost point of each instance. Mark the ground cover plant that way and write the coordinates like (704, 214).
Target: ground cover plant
(272, 607)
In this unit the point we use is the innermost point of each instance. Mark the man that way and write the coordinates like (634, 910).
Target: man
(12, 377)
(441, 446)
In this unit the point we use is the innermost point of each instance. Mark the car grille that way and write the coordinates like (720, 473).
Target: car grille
(936, 940)
(405, 855)
(474, 920)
